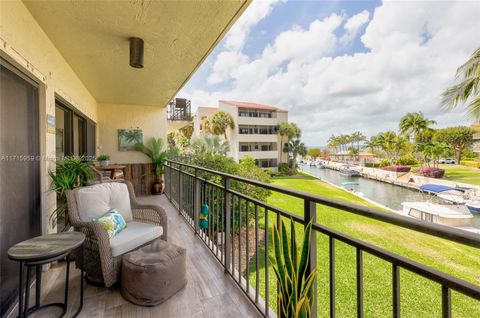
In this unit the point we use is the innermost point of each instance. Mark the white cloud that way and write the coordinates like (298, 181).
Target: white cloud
(256, 11)
(414, 50)
(234, 42)
(353, 26)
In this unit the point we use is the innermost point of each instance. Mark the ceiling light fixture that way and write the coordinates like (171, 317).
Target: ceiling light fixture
(136, 52)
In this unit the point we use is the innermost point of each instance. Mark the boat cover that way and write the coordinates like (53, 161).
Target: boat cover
(436, 188)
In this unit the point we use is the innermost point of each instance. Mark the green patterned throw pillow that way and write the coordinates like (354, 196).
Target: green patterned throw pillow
(113, 222)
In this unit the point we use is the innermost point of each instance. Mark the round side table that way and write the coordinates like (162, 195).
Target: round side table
(41, 250)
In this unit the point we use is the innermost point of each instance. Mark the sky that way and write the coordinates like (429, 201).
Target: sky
(342, 66)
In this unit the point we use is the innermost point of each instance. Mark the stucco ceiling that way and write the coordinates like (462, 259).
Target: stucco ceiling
(93, 38)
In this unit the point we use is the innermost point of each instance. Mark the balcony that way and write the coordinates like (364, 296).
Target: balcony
(209, 292)
(239, 237)
(179, 109)
(257, 154)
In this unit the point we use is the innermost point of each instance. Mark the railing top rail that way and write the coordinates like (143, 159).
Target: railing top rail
(441, 231)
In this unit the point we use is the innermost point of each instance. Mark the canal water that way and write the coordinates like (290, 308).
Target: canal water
(386, 194)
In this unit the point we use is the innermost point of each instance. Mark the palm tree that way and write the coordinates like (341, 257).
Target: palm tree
(156, 152)
(414, 123)
(391, 143)
(283, 130)
(294, 148)
(219, 123)
(333, 143)
(358, 137)
(468, 89)
(209, 144)
(289, 130)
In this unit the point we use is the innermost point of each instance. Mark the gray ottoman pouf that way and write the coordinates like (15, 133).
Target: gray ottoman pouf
(154, 273)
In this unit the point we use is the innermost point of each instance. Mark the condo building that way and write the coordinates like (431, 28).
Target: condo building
(256, 131)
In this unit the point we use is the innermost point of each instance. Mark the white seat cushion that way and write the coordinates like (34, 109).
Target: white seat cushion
(134, 235)
(96, 200)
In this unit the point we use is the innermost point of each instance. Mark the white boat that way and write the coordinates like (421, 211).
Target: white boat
(452, 197)
(449, 215)
(321, 165)
(350, 173)
(448, 211)
(473, 206)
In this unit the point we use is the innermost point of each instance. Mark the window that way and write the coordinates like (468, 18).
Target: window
(74, 133)
(244, 148)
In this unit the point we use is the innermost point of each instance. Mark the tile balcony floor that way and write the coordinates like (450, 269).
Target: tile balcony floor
(209, 292)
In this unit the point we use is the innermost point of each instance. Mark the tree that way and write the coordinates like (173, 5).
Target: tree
(391, 143)
(289, 130)
(413, 124)
(333, 143)
(294, 148)
(373, 144)
(467, 91)
(457, 138)
(314, 152)
(208, 144)
(219, 123)
(358, 137)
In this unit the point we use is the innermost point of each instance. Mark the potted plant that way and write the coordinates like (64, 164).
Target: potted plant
(155, 151)
(69, 174)
(295, 285)
(103, 160)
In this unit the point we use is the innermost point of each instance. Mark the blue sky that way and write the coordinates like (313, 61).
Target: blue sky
(339, 66)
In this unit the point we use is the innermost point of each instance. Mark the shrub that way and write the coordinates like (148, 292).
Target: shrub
(431, 172)
(285, 170)
(372, 165)
(407, 160)
(384, 162)
(470, 163)
(398, 168)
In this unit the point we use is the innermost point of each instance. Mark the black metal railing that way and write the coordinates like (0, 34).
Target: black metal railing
(179, 109)
(239, 227)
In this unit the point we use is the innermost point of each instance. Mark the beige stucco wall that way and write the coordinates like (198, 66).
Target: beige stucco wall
(111, 117)
(24, 44)
(235, 138)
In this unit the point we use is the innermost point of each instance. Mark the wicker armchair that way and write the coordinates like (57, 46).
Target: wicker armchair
(97, 249)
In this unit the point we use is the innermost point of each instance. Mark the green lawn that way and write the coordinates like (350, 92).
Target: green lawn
(463, 174)
(419, 297)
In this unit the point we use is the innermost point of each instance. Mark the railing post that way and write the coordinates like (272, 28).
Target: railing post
(226, 215)
(170, 182)
(310, 214)
(180, 189)
(197, 201)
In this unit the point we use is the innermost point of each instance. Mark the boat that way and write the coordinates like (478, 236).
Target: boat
(321, 165)
(473, 206)
(349, 173)
(449, 215)
(442, 207)
(450, 194)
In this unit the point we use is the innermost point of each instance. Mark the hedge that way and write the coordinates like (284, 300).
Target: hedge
(431, 172)
(398, 168)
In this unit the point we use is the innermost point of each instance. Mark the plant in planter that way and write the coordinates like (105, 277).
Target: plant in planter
(295, 285)
(69, 174)
(155, 151)
(103, 160)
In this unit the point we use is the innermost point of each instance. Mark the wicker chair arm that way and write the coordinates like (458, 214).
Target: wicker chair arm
(150, 213)
(97, 240)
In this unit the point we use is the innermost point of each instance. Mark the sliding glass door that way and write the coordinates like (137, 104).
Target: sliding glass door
(20, 215)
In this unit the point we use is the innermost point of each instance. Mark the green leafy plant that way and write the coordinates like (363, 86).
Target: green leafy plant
(295, 284)
(103, 157)
(155, 151)
(69, 174)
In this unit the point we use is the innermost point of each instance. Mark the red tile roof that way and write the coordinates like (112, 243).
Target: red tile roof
(254, 105)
